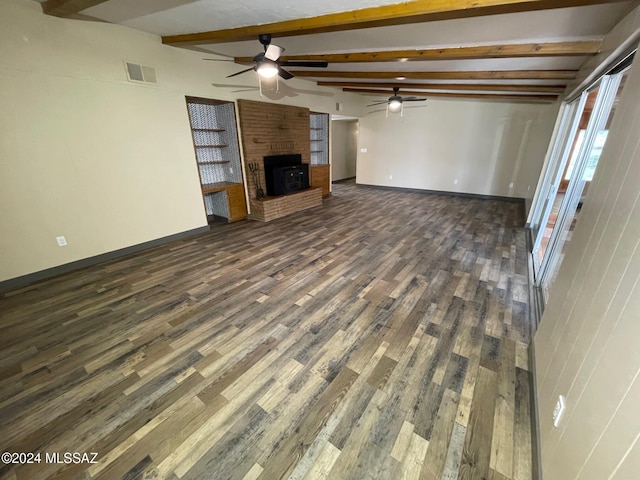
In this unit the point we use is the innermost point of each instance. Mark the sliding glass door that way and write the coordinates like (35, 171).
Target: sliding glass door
(568, 122)
(582, 134)
(588, 145)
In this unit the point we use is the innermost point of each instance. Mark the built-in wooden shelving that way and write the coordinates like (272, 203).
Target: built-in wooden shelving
(215, 141)
(319, 141)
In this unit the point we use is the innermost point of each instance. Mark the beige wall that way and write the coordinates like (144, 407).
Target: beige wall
(344, 145)
(86, 154)
(588, 343)
(485, 145)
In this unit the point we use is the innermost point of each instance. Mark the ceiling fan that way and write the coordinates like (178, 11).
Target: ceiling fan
(395, 103)
(268, 63)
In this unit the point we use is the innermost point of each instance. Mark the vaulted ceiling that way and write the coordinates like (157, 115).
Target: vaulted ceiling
(500, 49)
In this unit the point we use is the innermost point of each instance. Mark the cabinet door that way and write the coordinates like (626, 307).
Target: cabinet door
(320, 178)
(237, 203)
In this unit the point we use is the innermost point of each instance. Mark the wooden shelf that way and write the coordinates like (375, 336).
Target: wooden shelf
(221, 186)
(217, 187)
(319, 169)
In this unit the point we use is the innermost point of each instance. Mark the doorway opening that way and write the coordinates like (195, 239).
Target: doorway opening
(344, 148)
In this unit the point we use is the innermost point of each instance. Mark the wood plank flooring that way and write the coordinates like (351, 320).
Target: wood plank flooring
(383, 335)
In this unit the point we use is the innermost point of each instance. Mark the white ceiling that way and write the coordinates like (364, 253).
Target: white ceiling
(204, 15)
(174, 17)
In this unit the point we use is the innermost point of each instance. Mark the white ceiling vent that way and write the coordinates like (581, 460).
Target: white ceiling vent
(140, 73)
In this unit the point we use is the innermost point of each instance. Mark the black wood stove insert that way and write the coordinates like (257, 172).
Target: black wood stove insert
(285, 174)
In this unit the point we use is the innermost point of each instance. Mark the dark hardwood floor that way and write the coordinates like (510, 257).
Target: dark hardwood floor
(383, 335)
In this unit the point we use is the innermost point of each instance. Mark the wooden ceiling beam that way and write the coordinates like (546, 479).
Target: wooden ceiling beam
(492, 87)
(491, 96)
(457, 75)
(417, 11)
(518, 50)
(66, 8)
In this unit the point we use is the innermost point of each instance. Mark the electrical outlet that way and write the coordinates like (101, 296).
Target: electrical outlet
(230, 169)
(561, 405)
(511, 185)
(455, 181)
(363, 150)
(390, 177)
(62, 242)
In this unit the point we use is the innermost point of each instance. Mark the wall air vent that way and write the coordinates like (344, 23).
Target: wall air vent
(140, 73)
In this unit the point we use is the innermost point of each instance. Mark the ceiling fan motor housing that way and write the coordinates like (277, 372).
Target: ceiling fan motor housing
(268, 63)
(264, 38)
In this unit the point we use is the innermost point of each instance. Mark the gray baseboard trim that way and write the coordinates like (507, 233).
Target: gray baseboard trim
(344, 180)
(443, 192)
(34, 277)
(536, 457)
(527, 204)
(536, 307)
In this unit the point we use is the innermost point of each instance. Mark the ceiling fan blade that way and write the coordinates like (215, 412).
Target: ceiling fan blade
(231, 85)
(284, 74)
(219, 59)
(414, 99)
(303, 63)
(375, 104)
(238, 73)
(273, 52)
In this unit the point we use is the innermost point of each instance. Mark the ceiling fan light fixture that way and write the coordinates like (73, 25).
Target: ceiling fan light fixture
(395, 105)
(267, 68)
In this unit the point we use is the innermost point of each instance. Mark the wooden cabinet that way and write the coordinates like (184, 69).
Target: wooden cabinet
(237, 202)
(319, 177)
(229, 198)
(215, 141)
